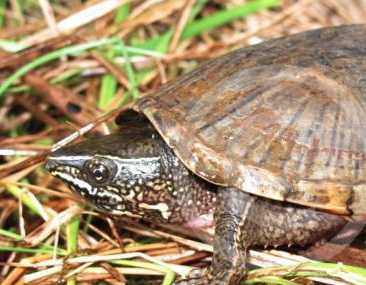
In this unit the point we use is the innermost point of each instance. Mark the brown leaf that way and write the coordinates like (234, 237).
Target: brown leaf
(154, 13)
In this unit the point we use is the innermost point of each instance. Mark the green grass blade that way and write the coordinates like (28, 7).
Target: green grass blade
(72, 50)
(168, 278)
(270, 280)
(62, 77)
(66, 75)
(223, 17)
(72, 230)
(326, 266)
(108, 89)
(314, 269)
(10, 46)
(155, 51)
(158, 44)
(161, 43)
(42, 250)
(28, 199)
(2, 12)
(10, 234)
(197, 8)
(130, 72)
(18, 11)
(122, 13)
(169, 274)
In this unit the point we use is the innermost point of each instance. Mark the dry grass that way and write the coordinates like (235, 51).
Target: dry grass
(82, 60)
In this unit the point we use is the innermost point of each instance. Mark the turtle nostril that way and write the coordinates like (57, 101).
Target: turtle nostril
(50, 165)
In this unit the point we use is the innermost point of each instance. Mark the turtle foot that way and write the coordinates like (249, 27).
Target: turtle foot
(195, 277)
(207, 277)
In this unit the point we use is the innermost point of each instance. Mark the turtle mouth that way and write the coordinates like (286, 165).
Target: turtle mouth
(69, 175)
(59, 169)
(69, 172)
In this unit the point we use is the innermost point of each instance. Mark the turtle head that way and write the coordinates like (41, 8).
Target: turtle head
(122, 174)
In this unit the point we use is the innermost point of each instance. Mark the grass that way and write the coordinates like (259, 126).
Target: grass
(122, 13)
(314, 270)
(220, 18)
(28, 199)
(2, 12)
(63, 230)
(130, 72)
(73, 50)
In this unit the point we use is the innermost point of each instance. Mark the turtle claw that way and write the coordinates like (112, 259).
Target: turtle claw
(195, 277)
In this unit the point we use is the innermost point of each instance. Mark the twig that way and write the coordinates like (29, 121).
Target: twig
(181, 24)
(75, 21)
(49, 16)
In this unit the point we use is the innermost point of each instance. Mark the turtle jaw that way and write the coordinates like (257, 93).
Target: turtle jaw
(68, 169)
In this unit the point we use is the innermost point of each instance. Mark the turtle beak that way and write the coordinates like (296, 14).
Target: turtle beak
(51, 164)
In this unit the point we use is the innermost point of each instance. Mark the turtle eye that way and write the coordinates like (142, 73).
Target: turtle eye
(97, 171)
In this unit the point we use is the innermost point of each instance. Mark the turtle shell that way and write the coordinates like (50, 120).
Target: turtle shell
(284, 119)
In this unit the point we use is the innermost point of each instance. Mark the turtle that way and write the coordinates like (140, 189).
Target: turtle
(263, 146)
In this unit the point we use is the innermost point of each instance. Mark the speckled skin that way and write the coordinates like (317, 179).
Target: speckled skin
(270, 138)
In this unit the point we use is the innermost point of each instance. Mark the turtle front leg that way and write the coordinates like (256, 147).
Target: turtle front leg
(231, 243)
(230, 250)
(243, 221)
